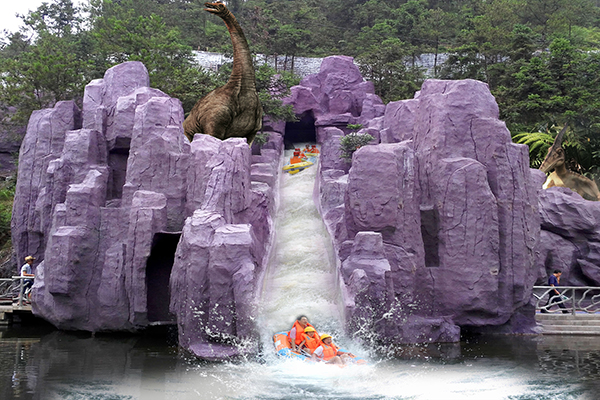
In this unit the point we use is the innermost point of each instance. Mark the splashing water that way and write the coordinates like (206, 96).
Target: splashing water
(301, 277)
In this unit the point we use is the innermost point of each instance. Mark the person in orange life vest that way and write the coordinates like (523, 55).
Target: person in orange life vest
(314, 149)
(306, 148)
(311, 340)
(296, 158)
(301, 152)
(328, 352)
(296, 334)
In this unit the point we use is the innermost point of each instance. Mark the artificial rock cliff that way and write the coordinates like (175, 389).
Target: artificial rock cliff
(126, 217)
(436, 222)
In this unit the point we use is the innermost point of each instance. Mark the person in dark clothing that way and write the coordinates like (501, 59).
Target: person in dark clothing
(554, 296)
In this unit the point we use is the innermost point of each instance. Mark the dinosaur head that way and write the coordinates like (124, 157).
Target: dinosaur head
(217, 8)
(556, 154)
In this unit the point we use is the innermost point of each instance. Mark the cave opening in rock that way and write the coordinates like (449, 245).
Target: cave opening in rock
(301, 131)
(117, 163)
(158, 273)
(429, 232)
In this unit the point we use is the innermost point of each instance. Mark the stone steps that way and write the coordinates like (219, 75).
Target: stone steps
(568, 324)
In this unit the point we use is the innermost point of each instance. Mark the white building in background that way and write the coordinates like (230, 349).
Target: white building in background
(303, 66)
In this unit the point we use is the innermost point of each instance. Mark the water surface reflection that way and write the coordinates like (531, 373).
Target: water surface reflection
(58, 365)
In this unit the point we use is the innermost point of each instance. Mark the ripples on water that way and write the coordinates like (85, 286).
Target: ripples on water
(301, 280)
(58, 365)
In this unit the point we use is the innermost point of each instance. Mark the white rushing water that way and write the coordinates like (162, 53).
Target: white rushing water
(300, 278)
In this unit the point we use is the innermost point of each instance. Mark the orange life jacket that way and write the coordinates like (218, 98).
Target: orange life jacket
(329, 351)
(296, 158)
(312, 342)
(300, 335)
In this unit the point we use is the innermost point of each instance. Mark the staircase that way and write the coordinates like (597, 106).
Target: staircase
(569, 324)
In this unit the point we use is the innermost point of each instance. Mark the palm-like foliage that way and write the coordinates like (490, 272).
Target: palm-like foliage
(538, 142)
(580, 150)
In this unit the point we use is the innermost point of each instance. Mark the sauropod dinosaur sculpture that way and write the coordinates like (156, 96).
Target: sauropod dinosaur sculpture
(233, 110)
(555, 160)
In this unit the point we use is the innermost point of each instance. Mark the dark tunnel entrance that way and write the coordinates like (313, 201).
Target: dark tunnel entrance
(158, 273)
(301, 131)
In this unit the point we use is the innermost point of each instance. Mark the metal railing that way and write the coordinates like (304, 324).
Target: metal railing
(572, 299)
(11, 290)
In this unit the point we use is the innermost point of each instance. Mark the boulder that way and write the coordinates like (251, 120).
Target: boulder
(133, 225)
(570, 238)
(453, 200)
(336, 96)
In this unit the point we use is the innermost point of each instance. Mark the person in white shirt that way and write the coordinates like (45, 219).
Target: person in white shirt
(26, 271)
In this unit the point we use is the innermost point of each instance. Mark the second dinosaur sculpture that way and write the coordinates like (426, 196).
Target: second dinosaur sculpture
(233, 110)
(555, 160)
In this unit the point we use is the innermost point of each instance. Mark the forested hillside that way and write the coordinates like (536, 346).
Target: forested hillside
(540, 57)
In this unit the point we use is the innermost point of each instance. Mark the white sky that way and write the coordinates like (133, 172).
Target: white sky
(8, 19)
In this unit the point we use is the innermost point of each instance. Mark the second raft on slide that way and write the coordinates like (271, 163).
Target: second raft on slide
(295, 168)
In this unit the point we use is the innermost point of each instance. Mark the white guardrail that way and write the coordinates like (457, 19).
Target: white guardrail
(11, 290)
(572, 299)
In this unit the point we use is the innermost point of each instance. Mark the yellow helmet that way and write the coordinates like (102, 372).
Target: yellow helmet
(325, 336)
(309, 329)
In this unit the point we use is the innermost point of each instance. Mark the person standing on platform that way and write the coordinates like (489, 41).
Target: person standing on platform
(26, 271)
(554, 295)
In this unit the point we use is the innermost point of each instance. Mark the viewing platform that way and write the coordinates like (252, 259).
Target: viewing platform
(575, 312)
(13, 302)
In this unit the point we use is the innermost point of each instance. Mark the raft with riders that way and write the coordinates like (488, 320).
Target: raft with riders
(303, 342)
(302, 159)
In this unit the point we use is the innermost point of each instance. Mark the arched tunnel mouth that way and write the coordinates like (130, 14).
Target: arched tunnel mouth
(301, 131)
(158, 274)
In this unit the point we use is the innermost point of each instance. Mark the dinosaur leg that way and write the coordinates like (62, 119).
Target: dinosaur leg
(217, 127)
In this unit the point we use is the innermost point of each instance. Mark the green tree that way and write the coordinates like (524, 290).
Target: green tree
(551, 17)
(387, 66)
(272, 87)
(50, 66)
(119, 34)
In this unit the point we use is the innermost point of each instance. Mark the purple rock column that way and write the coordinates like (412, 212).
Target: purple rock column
(42, 144)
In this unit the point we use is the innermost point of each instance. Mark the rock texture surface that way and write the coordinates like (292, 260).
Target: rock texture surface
(570, 238)
(435, 223)
(126, 218)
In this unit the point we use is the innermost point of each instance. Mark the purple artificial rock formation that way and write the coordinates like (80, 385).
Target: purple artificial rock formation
(447, 193)
(132, 225)
(570, 238)
(104, 197)
(335, 97)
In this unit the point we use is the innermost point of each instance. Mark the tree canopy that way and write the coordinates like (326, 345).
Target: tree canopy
(540, 58)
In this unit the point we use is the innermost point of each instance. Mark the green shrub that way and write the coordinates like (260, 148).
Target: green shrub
(353, 141)
(261, 138)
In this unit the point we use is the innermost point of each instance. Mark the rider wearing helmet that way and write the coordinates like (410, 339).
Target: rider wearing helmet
(329, 352)
(311, 340)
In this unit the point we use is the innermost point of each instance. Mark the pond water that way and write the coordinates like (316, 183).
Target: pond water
(46, 364)
(41, 363)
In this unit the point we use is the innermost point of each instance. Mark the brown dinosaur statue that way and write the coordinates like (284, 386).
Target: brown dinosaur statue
(233, 110)
(555, 160)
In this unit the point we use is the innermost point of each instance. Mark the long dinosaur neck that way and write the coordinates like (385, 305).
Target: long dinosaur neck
(242, 73)
(561, 170)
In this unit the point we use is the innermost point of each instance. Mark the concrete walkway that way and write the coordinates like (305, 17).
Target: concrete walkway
(569, 324)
